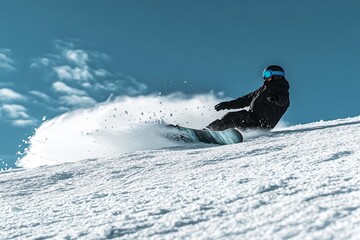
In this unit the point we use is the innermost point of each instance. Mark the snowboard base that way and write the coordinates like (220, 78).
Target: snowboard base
(184, 134)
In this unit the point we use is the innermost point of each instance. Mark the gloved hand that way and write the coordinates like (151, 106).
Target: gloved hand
(273, 99)
(222, 106)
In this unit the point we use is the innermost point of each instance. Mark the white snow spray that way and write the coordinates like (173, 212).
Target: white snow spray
(123, 125)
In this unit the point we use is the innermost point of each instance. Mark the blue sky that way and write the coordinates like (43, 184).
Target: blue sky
(56, 56)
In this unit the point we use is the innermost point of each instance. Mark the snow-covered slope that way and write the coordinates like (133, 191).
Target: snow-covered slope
(298, 182)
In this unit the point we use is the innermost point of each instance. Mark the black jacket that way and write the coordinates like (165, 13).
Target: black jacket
(267, 113)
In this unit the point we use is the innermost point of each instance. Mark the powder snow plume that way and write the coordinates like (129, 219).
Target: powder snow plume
(123, 125)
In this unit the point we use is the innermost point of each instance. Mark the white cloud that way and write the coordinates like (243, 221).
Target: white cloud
(61, 87)
(6, 84)
(60, 44)
(14, 111)
(79, 57)
(63, 109)
(86, 85)
(8, 95)
(74, 64)
(40, 62)
(77, 101)
(76, 73)
(112, 86)
(6, 63)
(80, 79)
(24, 122)
(40, 95)
(17, 115)
(136, 88)
(102, 73)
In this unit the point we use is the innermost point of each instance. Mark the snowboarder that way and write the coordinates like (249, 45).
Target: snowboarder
(266, 105)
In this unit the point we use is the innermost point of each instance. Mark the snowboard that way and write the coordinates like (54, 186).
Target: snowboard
(184, 134)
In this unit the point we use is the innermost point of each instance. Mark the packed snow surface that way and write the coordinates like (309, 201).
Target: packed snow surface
(298, 182)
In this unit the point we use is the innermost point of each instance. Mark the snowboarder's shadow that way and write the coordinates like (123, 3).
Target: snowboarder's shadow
(308, 129)
(190, 146)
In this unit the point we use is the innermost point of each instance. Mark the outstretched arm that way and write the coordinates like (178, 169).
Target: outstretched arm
(240, 102)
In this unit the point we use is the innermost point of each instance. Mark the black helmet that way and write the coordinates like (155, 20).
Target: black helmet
(274, 71)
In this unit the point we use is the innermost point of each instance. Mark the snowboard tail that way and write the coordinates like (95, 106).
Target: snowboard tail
(228, 136)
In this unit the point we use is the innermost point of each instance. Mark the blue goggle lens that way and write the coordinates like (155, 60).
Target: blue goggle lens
(268, 74)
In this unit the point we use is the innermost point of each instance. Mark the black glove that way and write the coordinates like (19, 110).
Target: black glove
(222, 106)
(273, 99)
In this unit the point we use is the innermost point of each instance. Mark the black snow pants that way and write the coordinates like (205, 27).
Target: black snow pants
(241, 119)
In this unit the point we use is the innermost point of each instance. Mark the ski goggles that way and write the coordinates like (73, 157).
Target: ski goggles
(268, 73)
